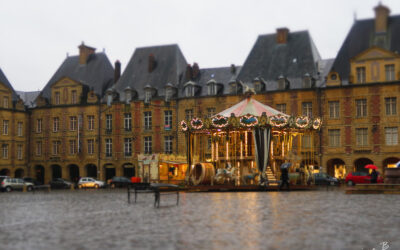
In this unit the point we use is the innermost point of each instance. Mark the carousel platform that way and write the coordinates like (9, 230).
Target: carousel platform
(249, 188)
(374, 189)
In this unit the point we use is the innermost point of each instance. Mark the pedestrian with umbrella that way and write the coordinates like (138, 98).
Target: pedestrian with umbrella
(285, 175)
(374, 173)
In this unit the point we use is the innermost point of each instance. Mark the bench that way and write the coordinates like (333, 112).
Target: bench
(157, 188)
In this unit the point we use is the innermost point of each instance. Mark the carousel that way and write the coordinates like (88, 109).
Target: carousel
(247, 144)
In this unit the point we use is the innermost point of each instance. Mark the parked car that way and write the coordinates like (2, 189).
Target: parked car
(59, 183)
(360, 178)
(89, 182)
(10, 184)
(31, 180)
(325, 179)
(2, 177)
(119, 181)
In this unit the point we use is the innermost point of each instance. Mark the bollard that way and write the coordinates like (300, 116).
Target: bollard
(72, 187)
(24, 188)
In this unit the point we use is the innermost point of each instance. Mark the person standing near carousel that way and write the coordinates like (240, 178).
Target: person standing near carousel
(285, 175)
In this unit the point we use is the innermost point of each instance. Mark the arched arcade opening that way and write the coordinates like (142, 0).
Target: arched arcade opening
(360, 164)
(91, 171)
(39, 173)
(336, 168)
(56, 171)
(129, 170)
(109, 170)
(5, 172)
(74, 173)
(19, 173)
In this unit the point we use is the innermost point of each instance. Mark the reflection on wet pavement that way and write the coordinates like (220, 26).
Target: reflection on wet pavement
(95, 219)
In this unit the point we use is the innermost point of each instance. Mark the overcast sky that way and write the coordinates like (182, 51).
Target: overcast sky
(37, 35)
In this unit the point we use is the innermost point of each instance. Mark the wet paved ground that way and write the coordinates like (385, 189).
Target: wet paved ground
(102, 219)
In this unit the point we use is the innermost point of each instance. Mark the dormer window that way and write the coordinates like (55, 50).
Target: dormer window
(147, 95)
(259, 86)
(235, 88)
(128, 95)
(168, 94)
(189, 89)
(283, 83)
(307, 81)
(74, 97)
(109, 99)
(57, 98)
(212, 87)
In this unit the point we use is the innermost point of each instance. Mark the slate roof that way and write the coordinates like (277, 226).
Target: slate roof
(170, 68)
(268, 60)
(221, 75)
(28, 97)
(96, 74)
(4, 80)
(361, 37)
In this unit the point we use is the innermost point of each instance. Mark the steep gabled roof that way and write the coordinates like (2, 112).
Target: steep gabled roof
(97, 74)
(268, 60)
(4, 80)
(361, 37)
(170, 66)
(28, 97)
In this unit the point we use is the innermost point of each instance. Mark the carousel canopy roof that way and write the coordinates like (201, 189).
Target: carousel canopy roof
(250, 106)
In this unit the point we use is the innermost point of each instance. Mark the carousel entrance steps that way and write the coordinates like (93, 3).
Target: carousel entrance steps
(271, 177)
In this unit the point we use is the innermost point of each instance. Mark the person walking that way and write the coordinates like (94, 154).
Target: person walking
(284, 178)
(374, 176)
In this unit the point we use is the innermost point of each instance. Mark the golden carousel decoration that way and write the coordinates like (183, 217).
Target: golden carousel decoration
(246, 144)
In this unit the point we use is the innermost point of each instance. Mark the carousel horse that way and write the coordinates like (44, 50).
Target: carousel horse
(249, 177)
(225, 175)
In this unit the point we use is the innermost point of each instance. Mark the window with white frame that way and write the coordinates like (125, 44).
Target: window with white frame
(19, 129)
(361, 136)
(334, 137)
(333, 109)
(307, 109)
(148, 145)
(39, 125)
(5, 102)
(168, 144)
(38, 148)
(281, 107)
(108, 147)
(147, 120)
(189, 114)
(90, 146)
(391, 136)
(56, 124)
(56, 147)
(360, 71)
(167, 120)
(73, 123)
(391, 105)
(72, 147)
(128, 121)
(5, 151)
(361, 108)
(5, 127)
(74, 97)
(108, 122)
(210, 112)
(168, 94)
(212, 88)
(147, 95)
(57, 98)
(90, 122)
(128, 146)
(189, 90)
(19, 151)
(389, 72)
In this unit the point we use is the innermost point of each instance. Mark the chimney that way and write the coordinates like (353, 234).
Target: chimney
(196, 70)
(152, 63)
(381, 18)
(282, 35)
(117, 71)
(85, 52)
(233, 68)
(189, 72)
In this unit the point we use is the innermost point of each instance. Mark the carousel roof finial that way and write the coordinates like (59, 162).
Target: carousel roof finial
(249, 91)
